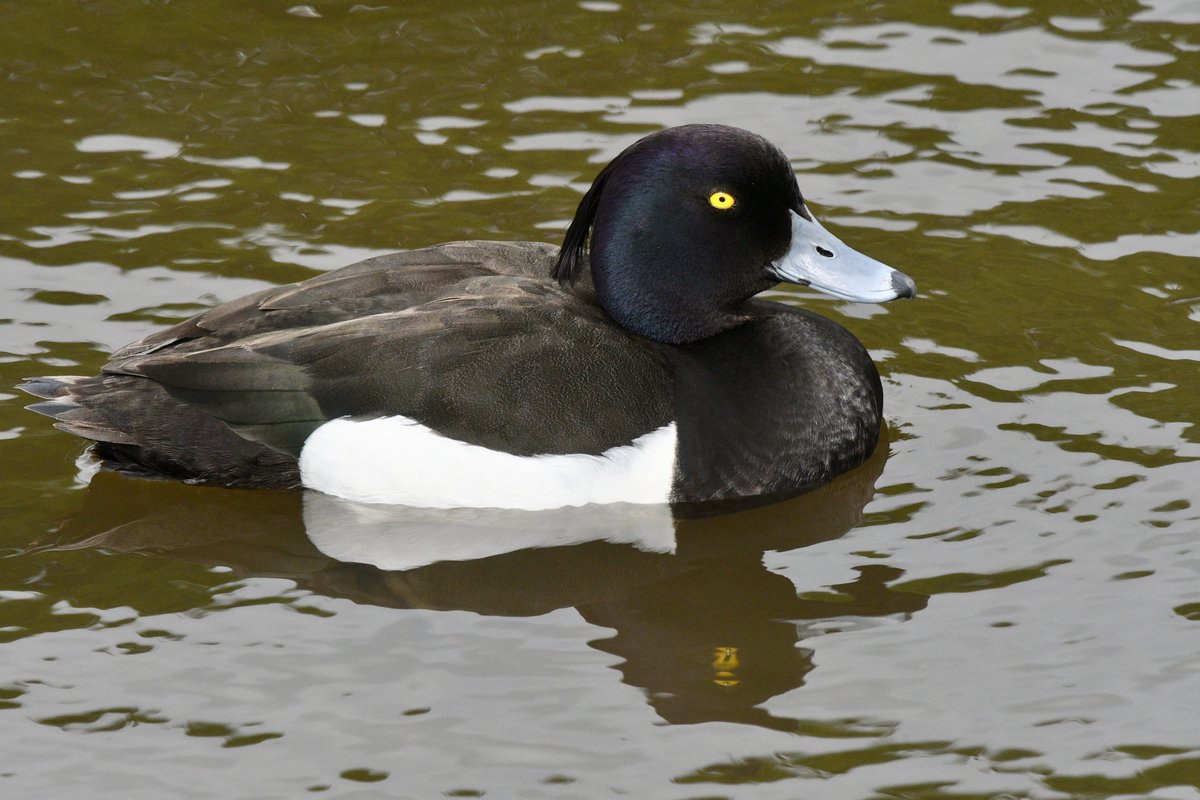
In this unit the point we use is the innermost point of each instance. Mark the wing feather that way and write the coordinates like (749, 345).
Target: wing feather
(491, 358)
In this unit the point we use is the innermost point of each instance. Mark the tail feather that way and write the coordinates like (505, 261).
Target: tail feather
(52, 408)
(63, 406)
(140, 429)
(48, 388)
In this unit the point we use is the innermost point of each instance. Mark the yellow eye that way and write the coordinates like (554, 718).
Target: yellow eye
(721, 200)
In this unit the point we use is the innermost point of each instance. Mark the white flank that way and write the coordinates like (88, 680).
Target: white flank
(400, 461)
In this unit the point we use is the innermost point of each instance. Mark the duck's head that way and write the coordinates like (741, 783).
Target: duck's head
(687, 224)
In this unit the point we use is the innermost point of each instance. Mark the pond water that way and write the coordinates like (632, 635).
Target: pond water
(1004, 603)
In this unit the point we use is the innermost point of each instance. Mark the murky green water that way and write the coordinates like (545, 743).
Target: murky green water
(1008, 606)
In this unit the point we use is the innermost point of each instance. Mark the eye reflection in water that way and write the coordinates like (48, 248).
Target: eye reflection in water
(702, 626)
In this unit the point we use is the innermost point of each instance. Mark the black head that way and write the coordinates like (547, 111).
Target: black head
(684, 227)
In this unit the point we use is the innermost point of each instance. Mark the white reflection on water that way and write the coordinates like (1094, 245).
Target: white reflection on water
(148, 146)
(1083, 649)
(402, 538)
(153, 148)
(1070, 72)
(172, 292)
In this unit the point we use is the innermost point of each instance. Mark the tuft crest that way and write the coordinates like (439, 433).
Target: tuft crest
(573, 255)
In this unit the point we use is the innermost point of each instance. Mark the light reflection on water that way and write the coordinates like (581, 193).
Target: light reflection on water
(1012, 612)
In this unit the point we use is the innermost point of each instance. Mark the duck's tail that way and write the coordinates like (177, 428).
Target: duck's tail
(62, 397)
(139, 429)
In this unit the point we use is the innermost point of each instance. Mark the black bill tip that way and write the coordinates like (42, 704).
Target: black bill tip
(904, 285)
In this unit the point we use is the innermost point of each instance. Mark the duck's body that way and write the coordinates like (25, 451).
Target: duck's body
(518, 375)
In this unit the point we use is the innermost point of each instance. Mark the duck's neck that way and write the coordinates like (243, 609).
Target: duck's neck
(663, 317)
(659, 295)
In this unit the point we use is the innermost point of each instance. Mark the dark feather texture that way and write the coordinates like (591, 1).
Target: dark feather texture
(470, 338)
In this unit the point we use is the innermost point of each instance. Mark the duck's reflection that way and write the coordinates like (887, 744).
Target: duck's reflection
(703, 627)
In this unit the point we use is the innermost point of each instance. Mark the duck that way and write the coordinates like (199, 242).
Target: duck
(633, 364)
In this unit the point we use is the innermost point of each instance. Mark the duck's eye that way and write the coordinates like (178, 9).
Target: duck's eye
(721, 200)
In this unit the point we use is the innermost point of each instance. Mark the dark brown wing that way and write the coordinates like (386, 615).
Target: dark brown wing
(387, 283)
(511, 371)
(468, 339)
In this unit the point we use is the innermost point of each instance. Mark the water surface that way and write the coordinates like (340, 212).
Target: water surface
(1003, 604)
